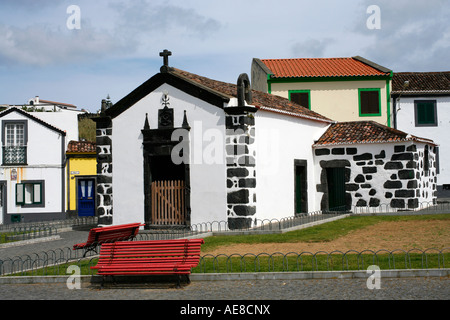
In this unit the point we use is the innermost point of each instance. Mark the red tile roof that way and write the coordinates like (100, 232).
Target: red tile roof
(324, 67)
(56, 103)
(429, 82)
(355, 132)
(81, 147)
(261, 100)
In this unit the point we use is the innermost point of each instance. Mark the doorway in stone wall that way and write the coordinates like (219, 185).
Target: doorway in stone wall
(336, 189)
(166, 182)
(168, 192)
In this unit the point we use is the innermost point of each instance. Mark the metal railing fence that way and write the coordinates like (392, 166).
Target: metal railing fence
(324, 261)
(58, 224)
(21, 233)
(56, 263)
(32, 230)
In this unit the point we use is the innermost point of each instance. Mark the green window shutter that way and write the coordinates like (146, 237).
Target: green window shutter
(29, 193)
(425, 113)
(20, 193)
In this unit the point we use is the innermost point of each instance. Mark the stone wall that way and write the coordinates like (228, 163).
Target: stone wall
(241, 174)
(104, 171)
(384, 176)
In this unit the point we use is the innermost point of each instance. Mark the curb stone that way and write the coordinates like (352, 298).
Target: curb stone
(30, 241)
(304, 275)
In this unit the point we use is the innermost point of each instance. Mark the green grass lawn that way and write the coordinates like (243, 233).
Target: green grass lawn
(6, 237)
(301, 261)
(322, 233)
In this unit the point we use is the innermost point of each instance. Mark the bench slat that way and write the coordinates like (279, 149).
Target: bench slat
(149, 257)
(109, 234)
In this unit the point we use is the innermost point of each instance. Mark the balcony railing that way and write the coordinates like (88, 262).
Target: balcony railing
(14, 155)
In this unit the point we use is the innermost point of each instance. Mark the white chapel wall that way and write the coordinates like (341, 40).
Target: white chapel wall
(207, 173)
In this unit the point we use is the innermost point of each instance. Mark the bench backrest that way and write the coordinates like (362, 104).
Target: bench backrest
(185, 251)
(113, 233)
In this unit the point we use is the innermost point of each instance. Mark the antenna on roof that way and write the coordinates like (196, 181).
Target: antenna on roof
(405, 84)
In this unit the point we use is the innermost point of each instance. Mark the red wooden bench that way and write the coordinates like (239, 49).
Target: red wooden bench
(100, 235)
(148, 258)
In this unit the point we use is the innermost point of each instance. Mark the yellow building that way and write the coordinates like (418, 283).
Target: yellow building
(81, 169)
(342, 89)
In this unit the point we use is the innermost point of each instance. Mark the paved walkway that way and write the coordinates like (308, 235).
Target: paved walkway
(329, 289)
(62, 240)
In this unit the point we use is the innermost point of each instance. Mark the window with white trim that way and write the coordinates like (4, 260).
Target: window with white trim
(14, 139)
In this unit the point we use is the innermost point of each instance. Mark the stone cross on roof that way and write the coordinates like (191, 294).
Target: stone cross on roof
(165, 54)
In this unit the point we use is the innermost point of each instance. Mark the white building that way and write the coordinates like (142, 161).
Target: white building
(35, 138)
(59, 114)
(421, 105)
(32, 171)
(182, 149)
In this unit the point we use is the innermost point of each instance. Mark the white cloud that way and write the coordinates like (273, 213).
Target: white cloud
(151, 24)
(42, 45)
(414, 35)
(311, 48)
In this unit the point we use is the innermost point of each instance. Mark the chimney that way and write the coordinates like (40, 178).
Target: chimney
(103, 109)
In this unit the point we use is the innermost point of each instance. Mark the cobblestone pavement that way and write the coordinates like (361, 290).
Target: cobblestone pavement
(432, 288)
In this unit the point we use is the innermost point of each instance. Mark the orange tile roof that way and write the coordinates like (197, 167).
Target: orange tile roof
(323, 67)
(354, 132)
(81, 147)
(56, 103)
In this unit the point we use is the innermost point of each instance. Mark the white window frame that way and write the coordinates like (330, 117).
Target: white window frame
(15, 136)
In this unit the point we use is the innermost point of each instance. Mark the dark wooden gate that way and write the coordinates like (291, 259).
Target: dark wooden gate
(168, 203)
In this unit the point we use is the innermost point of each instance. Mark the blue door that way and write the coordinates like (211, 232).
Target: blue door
(86, 197)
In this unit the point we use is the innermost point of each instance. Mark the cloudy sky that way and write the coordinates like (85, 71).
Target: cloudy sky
(79, 56)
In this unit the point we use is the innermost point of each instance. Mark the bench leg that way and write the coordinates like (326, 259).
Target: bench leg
(188, 280)
(102, 285)
(89, 249)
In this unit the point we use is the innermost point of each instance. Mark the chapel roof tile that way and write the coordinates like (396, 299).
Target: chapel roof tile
(324, 67)
(261, 100)
(355, 132)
